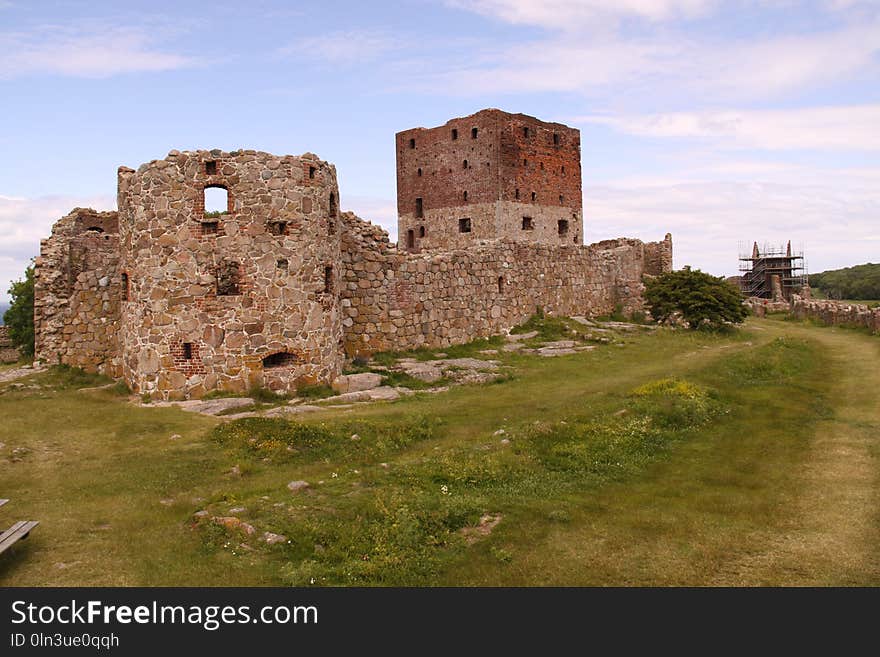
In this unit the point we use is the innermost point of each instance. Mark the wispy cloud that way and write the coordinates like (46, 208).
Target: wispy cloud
(87, 50)
(666, 63)
(574, 14)
(345, 47)
(838, 128)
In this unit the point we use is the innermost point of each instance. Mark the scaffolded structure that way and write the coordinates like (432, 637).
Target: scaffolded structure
(772, 272)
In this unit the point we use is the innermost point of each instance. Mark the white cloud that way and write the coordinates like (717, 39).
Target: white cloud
(90, 51)
(663, 64)
(24, 222)
(839, 128)
(571, 14)
(346, 47)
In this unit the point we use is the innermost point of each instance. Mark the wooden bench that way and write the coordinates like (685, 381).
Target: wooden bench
(19, 531)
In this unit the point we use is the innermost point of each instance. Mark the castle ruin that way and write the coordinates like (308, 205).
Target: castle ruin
(281, 287)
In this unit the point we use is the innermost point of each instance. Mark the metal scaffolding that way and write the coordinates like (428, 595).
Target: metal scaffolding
(760, 268)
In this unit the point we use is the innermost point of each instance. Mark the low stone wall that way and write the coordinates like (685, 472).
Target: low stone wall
(8, 353)
(392, 300)
(835, 313)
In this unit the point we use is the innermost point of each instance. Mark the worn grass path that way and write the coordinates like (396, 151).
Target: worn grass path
(776, 498)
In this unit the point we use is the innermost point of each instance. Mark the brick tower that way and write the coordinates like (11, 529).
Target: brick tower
(485, 176)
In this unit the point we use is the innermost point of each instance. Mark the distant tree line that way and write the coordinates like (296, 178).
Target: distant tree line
(859, 282)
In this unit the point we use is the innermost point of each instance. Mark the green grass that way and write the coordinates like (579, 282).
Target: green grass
(682, 458)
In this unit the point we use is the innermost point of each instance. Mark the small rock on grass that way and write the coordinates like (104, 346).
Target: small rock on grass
(297, 486)
(272, 539)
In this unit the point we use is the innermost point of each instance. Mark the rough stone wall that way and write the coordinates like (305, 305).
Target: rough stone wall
(658, 256)
(515, 167)
(835, 313)
(395, 300)
(77, 291)
(8, 353)
(247, 298)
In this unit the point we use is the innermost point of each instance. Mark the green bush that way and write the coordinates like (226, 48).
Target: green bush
(19, 317)
(702, 300)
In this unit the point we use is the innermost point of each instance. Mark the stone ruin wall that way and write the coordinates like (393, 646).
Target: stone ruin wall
(835, 313)
(392, 300)
(8, 353)
(77, 292)
(248, 298)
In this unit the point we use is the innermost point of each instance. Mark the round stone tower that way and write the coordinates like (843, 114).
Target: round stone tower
(244, 296)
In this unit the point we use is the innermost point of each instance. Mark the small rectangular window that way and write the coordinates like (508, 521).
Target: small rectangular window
(473, 133)
(526, 132)
(464, 225)
(454, 133)
(412, 143)
(420, 212)
(210, 228)
(282, 264)
(556, 139)
(410, 239)
(534, 196)
(125, 287)
(516, 193)
(211, 167)
(527, 223)
(187, 351)
(561, 199)
(311, 172)
(563, 226)
(328, 279)
(464, 164)
(278, 227)
(465, 197)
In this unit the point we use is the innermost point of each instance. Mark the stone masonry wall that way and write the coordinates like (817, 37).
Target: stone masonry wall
(835, 313)
(8, 353)
(517, 178)
(227, 303)
(395, 300)
(77, 293)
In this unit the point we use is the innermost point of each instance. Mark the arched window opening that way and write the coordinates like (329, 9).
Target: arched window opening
(216, 201)
(419, 172)
(464, 165)
(421, 231)
(281, 359)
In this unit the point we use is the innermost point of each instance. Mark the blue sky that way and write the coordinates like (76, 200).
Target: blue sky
(717, 121)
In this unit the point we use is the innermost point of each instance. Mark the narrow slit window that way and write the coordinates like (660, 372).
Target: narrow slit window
(211, 167)
(419, 172)
(412, 143)
(125, 287)
(332, 204)
(528, 224)
(465, 197)
(454, 134)
(464, 225)
(410, 239)
(525, 162)
(526, 132)
(500, 284)
(187, 351)
(542, 166)
(473, 133)
(534, 196)
(562, 170)
(561, 199)
(420, 210)
(516, 193)
(556, 139)
(328, 279)
(464, 165)
(312, 172)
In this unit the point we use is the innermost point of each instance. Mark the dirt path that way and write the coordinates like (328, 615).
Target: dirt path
(832, 537)
(18, 373)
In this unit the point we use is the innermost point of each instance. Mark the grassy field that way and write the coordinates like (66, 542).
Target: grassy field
(678, 458)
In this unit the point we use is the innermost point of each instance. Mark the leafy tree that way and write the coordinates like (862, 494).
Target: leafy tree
(859, 282)
(19, 317)
(702, 300)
